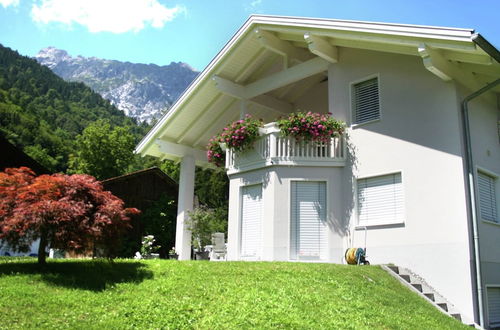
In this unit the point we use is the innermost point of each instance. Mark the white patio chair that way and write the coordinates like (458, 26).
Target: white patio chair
(218, 252)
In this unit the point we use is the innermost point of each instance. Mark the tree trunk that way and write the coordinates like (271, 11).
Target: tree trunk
(41, 249)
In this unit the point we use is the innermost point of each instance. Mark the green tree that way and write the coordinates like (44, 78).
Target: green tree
(103, 151)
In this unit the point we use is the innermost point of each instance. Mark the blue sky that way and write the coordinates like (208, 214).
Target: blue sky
(193, 31)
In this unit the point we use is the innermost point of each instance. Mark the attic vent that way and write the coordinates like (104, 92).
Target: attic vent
(366, 104)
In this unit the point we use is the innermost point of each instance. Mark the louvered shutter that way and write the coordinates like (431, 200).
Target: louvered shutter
(251, 221)
(366, 103)
(494, 307)
(308, 223)
(487, 197)
(380, 200)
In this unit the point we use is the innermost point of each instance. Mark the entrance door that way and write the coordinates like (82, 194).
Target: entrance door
(251, 222)
(308, 221)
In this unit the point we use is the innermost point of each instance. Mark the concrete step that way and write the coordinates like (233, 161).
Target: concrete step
(430, 296)
(443, 306)
(405, 277)
(395, 269)
(418, 284)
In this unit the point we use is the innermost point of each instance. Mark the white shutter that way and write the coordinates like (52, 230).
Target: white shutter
(380, 200)
(494, 307)
(366, 103)
(308, 232)
(487, 197)
(251, 221)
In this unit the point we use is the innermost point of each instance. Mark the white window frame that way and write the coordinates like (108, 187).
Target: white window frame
(351, 103)
(487, 286)
(496, 179)
(327, 207)
(379, 223)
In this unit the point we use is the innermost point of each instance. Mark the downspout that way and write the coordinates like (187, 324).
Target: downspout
(469, 168)
(491, 50)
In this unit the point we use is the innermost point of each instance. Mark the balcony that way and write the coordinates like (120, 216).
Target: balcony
(271, 149)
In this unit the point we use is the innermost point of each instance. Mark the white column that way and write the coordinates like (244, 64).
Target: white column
(338, 112)
(184, 205)
(243, 108)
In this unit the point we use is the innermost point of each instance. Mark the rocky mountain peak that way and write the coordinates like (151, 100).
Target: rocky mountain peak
(51, 56)
(142, 91)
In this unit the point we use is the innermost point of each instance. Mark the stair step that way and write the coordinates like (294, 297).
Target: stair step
(456, 316)
(443, 306)
(394, 269)
(417, 286)
(405, 277)
(430, 296)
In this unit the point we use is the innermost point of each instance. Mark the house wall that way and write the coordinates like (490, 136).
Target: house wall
(418, 135)
(276, 193)
(485, 142)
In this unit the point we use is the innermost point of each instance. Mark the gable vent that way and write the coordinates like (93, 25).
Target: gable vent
(366, 102)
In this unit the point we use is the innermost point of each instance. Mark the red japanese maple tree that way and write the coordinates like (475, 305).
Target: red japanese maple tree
(69, 212)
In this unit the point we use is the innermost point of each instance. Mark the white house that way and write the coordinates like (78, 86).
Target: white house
(419, 166)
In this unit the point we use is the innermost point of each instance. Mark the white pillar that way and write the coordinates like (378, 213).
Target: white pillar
(184, 205)
(243, 108)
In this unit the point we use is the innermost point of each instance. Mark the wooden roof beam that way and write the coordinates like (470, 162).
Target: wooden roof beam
(240, 92)
(284, 48)
(320, 47)
(271, 82)
(286, 77)
(436, 63)
(180, 150)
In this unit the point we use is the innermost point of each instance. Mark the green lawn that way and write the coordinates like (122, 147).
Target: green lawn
(169, 294)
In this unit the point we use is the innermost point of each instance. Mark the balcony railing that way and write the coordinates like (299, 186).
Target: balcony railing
(272, 149)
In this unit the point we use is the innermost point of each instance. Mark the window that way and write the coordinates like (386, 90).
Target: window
(251, 221)
(494, 306)
(487, 197)
(380, 200)
(365, 101)
(308, 221)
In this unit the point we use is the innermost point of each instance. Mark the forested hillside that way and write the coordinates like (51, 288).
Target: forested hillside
(42, 114)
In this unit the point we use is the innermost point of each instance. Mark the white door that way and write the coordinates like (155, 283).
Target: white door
(251, 222)
(494, 306)
(308, 221)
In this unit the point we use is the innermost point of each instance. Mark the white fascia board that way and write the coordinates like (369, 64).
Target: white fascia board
(422, 31)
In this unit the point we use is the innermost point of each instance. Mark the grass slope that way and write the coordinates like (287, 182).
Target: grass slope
(166, 294)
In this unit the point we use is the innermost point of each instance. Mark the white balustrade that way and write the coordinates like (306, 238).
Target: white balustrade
(273, 149)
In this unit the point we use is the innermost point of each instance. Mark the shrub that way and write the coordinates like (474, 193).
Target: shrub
(203, 222)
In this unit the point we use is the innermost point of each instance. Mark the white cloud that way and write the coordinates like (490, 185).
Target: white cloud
(253, 6)
(6, 3)
(117, 16)
(255, 3)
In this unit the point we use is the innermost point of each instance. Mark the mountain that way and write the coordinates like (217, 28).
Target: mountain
(142, 91)
(42, 114)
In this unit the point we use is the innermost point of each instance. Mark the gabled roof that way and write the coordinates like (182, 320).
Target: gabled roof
(154, 172)
(271, 60)
(12, 156)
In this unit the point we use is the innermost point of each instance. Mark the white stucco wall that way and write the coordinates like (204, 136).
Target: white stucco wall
(276, 182)
(485, 141)
(419, 136)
